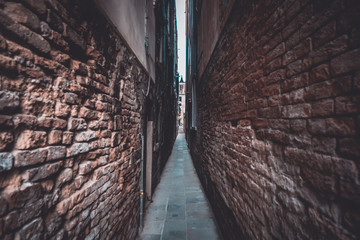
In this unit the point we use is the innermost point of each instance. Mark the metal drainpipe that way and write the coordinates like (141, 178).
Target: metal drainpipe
(142, 136)
(142, 182)
(164, 47)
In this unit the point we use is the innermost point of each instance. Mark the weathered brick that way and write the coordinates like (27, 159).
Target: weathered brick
(65, 176)
(357, 80)
(81, 70)
(86, 167)
(332, 126)
(297, 111)
(346, 62)
(297, 52)
(295, 82)
(9, 101)
(273, 65)
(31, 38)
(296, 96)
(6, 121)
(44, 171)
(15, 219)
(56, 152)
(6, 161)
(54, 137)
(277, 51)
(23, 196)
(78, 148)
(29, 157)
(60, 57)
(70, 98)
(74, 37)
(294, 68)
(333, 48)
(34, 106)
(7, 63)
(38, 5)
(3, 44)
(347, 104)
(49, 65)
(326, 33)
(31, 139)
(48, 122)
(279, 124)
(323, 107)
(62, 110)
(324, 145)
(18, 13)
(320, 73)
(349, 147)
(77, 124)
(271, 90)
(6, 140)
(260, 123)
(328, 88)
(291, 203)
(61, 83)
(22, 120)
(52, 222)
(54, 20)
(85, 136)
(67, 138)
(88, 113)
(20, 50)
(58, 123)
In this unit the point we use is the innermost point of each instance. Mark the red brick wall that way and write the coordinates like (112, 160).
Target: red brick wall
(71, 105)
(277, 142)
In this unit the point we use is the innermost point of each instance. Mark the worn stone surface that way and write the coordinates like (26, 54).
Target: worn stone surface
(31, 139)
(60, 175)
(277, 139)
(6, 161)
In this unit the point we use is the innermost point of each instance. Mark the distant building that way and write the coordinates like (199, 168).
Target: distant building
(181, 113)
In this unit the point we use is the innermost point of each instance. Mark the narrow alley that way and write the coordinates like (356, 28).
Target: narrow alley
(179, 208)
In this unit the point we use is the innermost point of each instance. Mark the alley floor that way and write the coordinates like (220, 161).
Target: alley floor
(179, 209)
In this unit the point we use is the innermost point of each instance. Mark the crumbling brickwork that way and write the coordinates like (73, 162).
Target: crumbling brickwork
(277, 141)
(71, 110)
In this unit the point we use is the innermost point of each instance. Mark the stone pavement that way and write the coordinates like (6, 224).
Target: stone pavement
(179, 209)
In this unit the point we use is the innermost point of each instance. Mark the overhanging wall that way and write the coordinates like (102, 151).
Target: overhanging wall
(129, 18)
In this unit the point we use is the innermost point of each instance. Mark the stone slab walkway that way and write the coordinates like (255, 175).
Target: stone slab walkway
(179, 209)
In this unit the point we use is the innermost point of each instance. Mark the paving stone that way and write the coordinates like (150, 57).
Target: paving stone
(179, 209)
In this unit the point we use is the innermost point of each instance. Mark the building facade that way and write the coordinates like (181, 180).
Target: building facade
(272, 115)
(182, 97)
(82, 110)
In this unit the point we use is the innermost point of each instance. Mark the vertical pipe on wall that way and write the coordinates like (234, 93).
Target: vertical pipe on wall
(142, 181)
(164, 46)
(149, 155)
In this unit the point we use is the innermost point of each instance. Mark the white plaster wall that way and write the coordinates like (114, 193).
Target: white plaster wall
(128, 16)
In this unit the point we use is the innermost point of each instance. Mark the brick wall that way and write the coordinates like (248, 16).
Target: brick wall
(71, 107)
(277, 140)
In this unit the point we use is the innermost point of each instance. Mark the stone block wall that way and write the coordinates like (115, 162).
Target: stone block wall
(71, 110)
(277, 144)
